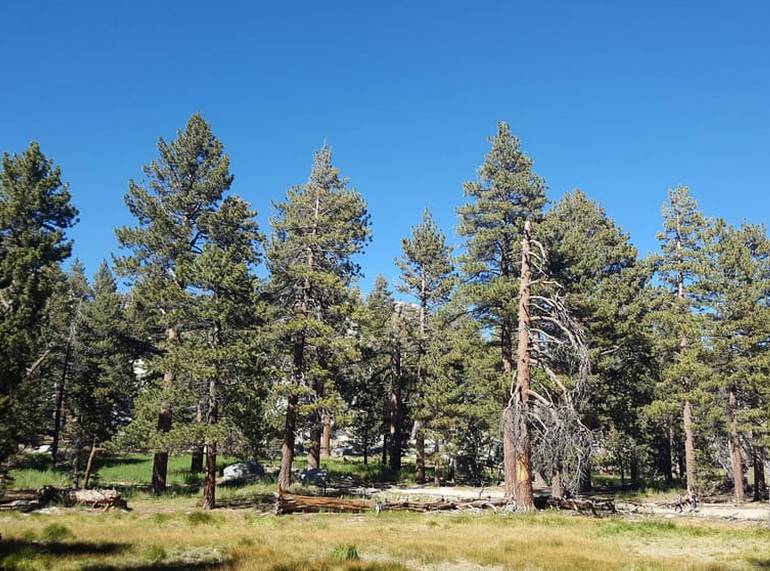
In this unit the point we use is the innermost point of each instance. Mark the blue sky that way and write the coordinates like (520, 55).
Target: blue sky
(619, 99)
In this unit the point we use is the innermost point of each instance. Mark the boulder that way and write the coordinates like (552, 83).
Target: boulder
(242, 472)
(314, 477)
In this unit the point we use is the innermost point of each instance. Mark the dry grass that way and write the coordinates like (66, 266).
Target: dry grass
(174, 535)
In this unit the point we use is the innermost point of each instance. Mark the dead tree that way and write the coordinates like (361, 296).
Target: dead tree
(542, 423)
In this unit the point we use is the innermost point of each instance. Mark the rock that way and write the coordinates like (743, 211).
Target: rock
(313, 477)
(242, 472)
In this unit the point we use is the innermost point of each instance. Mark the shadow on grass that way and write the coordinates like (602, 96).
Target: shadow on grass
(760, 563)
(159, 566)
(18, 553)
(14, 546)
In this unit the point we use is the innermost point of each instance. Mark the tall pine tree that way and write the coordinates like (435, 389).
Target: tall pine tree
(317, 231)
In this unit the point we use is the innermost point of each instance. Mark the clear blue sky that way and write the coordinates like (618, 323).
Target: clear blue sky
(619, 99)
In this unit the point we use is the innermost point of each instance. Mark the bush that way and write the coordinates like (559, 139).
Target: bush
(56, 532)
(155, 553)
(345, 553)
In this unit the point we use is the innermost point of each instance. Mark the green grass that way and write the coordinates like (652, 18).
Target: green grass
(33, 471)
(174, 535)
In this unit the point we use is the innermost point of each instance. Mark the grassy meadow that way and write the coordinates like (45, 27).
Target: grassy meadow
(173, 533)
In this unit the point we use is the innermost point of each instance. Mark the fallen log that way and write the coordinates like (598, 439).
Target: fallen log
(105, 499)
(583, 505)
(27, 500)
(295, 503)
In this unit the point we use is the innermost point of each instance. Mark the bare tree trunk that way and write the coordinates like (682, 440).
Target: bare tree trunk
(90, 463)
(735, 450)
(196, 462)
(160, 459)
(287, 449)
(326, 439)
(419, 446)
(58, 419)
(210, 484)
(522, 476)
(557, 489)
(760, 484)
(689, 448)
(59, 411)
(314, 448)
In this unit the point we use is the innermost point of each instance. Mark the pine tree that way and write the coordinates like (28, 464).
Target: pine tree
(426, 275)
(104, 385)
(677, 325)
(316, 232)
(737, 292)
(35, 213)
(507, 194)
(184, 186)
(224, 314)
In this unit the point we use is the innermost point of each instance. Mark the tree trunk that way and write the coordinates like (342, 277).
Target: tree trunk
(287, 449)
(760, 484)
(668, 467)
(394, 413)
(689, 448)
(419, 434)
(90, 464)
(59, 411)
(160, 459)
(735, 449)
(61, 392)
(557, 490)
(196, 462)
(314, 448)
(326, 439)
(210, 484)
(384, 459)
(522, 476)
(419, 447)
(633, 469)
(506, 421)
(436, 466)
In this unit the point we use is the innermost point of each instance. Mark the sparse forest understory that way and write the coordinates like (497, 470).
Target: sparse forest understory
(544, 355)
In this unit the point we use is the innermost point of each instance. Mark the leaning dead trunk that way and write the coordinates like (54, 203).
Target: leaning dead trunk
(160, 459)
(90, 463)
(735, 450)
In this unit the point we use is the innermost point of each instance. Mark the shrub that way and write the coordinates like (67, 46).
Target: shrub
(56, 532)
(345, 553)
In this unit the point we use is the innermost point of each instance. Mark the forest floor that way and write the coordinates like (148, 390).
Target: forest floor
(171, 532)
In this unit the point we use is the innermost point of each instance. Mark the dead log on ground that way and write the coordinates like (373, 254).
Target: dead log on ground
(583, 505)
(105, 499)
(28, 500)
(295, 503)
